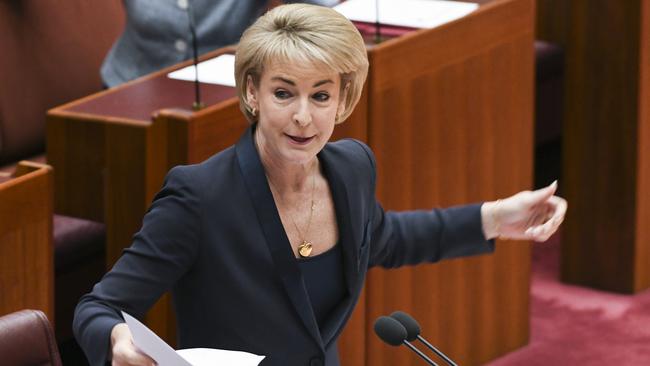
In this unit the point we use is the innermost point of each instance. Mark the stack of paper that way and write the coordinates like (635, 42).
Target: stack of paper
(405, 13)
(219, 70)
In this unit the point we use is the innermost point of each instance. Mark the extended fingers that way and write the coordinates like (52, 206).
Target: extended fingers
(541, 195)
(557, 209)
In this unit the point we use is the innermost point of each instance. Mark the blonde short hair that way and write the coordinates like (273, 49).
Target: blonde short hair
(303, 34)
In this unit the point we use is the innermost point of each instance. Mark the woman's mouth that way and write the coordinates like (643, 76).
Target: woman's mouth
(300, 140)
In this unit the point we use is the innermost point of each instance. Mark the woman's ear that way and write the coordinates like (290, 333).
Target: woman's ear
(251, 93)
(345, 94)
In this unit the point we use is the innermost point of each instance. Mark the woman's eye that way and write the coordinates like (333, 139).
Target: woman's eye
(321, 97)
(282, 94)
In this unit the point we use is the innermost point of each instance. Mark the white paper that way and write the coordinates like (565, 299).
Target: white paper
(149, 343)
(406, 13)
(219, 70)
(211, 357)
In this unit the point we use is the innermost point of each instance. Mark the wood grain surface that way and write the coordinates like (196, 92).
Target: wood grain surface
(606, 237)
(26, 249)
(452, 124)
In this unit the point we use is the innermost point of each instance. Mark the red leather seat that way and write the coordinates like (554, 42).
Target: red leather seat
(26, 339)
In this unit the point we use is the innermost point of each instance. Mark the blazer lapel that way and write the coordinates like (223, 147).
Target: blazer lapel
(350, 239)
(276, 238)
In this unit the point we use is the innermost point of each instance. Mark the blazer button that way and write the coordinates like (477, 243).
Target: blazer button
(316, 362)
(180, 45)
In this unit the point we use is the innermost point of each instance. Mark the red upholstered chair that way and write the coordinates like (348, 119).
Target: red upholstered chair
(26, 339)
(51, 54)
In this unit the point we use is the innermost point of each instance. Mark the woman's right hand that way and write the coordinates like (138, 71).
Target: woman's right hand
(123, 351)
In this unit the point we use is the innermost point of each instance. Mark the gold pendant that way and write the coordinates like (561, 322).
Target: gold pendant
(304, 249)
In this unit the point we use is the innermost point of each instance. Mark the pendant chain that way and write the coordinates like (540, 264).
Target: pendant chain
(305, 248)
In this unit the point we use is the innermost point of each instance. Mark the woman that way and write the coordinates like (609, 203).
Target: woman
(266, 245)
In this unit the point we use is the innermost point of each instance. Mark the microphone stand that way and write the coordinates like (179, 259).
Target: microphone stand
(197, 105)
(419, 353)
(436, 351)
(377, 24)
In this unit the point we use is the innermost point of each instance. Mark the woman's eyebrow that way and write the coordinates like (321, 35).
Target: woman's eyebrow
(291, 82)
(323, 82)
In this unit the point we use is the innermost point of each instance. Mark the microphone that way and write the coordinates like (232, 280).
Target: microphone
(198, 105)
(377, 24)
(392, 332)
(413, 332)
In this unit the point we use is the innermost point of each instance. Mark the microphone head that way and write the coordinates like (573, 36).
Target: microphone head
(390, 330)
(409, 323)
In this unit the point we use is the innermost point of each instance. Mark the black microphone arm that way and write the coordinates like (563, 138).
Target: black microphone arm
(195, 49)
(393, 333)
(413, 332)
(419, 353)
(377, 24)
(436, 351)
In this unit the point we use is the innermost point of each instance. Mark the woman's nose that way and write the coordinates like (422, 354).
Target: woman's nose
(303, 115)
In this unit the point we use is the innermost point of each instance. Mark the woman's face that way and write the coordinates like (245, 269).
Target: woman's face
(297, 109)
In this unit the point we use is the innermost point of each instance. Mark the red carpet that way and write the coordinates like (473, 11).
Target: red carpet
(573, 325)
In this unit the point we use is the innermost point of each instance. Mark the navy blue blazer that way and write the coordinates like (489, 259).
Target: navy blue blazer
(213, 237)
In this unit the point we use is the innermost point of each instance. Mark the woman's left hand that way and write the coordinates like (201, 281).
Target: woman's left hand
(528, 215)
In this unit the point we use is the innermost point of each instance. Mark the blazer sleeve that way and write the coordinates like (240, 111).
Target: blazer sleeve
(162, 251)
(413, 237)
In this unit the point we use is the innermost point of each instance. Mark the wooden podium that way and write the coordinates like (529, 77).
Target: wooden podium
(448, 112)
(451, 123)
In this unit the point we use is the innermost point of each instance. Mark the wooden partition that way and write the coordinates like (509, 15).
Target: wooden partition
(26, 250)
(452, 124)
(606, 140)
(457, 113)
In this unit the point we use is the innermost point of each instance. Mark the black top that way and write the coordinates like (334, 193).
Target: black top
(323, 275)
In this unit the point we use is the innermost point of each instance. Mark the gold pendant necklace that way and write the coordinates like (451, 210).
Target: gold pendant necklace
(305, 249)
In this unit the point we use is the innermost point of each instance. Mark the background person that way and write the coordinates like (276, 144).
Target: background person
(157, 33)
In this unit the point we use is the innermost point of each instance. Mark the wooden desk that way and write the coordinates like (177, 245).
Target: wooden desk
(606, 140)
(26, 249)
(450, 123)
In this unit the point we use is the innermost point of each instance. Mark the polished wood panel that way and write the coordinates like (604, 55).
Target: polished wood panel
(26, 249)
(452, 124)
(642, 259)
(605, 140)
